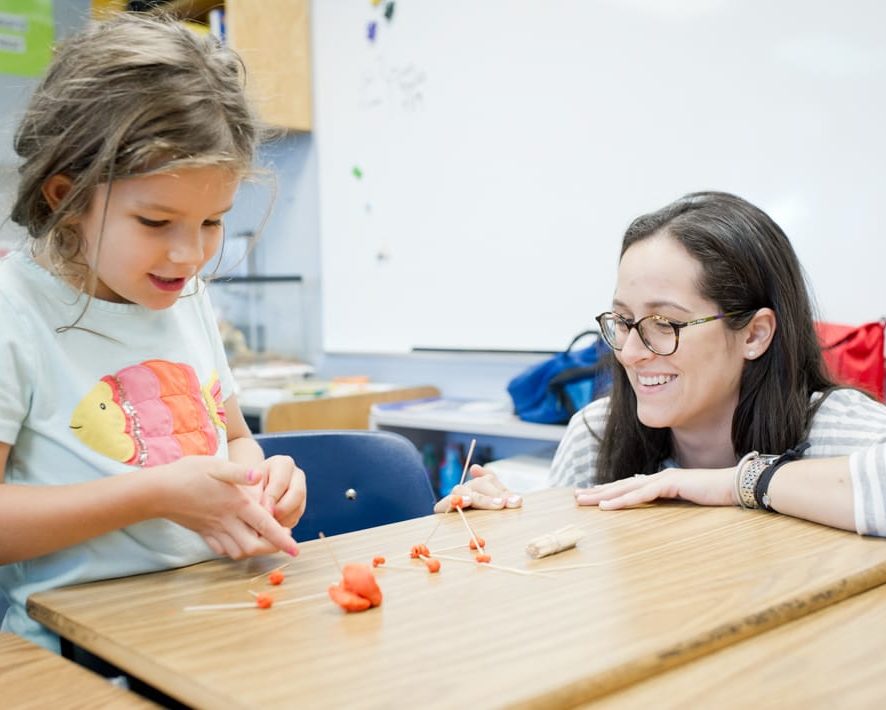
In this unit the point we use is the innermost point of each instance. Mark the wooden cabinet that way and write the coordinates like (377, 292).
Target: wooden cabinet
(273, 37)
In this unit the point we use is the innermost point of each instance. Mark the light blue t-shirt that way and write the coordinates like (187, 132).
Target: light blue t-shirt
(127, 388)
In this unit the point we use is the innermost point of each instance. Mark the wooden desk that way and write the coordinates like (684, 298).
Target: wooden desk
(830, 659)
(672, 583)
(32, 677)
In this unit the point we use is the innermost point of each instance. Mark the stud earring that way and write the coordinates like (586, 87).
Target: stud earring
(752, 353)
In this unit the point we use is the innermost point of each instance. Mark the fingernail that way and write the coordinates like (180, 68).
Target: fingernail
(605, 504)
(515, 500)
(583, 499)
(465, 501)
(250, 475)
(497, 501)
(293, 550)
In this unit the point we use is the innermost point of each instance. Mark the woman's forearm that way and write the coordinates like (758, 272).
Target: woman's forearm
(819, 490)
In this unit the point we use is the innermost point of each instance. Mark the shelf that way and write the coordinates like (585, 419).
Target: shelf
(466, 416)
(269, 279)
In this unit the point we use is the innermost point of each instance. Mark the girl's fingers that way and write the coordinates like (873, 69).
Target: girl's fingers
(266, 526)
(228, 546)
(290, 504)
(236, 473)
(214, 545)
(281, 470)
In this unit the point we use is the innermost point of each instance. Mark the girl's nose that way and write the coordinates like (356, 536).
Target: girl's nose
(187, 249)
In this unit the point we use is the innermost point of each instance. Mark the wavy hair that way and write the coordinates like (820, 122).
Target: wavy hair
(747, 263)
(131, 96)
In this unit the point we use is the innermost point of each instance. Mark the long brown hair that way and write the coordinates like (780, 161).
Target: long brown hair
(747, 263)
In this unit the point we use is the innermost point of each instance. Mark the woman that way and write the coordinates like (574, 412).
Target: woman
(717, 360)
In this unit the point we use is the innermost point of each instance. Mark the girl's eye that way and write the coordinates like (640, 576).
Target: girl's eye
(156, 223)
(212, 223)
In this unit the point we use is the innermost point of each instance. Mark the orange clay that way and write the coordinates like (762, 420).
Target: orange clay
(419, 551)
(378, 561)
(473, 545)
(276, 577)
(483, 558)
(264, 601)
(456, 502)
(359, 579)
(347, 600)
(432, 565)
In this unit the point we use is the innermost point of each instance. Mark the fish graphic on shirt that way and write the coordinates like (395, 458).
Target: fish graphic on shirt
(151, 413)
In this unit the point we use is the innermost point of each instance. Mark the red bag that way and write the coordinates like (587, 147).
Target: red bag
(854, 355)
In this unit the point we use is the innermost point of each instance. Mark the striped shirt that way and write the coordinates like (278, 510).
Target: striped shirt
(848, 422)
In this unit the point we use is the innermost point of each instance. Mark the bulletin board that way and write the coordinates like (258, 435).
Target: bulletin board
(479, 160)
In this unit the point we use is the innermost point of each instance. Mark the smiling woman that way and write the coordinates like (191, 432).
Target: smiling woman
(688, 402)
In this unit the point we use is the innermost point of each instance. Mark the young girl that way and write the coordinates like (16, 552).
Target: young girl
(122, 447)
(717, 360)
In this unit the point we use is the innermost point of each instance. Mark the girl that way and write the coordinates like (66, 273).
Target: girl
(122, 447)
(717, 360)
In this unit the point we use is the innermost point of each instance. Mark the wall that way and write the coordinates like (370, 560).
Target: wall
(503, 146)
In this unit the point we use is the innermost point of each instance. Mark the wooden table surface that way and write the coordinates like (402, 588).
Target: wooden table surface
(668, 583)
(32, 677)
(832, 658)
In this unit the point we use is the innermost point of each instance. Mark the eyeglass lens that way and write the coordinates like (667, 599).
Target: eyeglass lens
(657, 333)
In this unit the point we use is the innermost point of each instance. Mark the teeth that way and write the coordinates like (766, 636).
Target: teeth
(655, 379)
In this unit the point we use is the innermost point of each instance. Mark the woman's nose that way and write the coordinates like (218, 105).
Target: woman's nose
(634, 349)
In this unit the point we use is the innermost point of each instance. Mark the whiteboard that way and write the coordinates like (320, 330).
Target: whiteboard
(504, 146)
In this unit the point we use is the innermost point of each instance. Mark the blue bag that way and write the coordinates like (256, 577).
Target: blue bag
(552, 391)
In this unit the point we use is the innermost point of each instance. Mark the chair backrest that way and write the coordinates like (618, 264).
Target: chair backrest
(355, 479)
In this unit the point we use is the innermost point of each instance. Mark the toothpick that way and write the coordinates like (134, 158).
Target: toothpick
(215, 607)
(329, 550)
(405, 567)
(436, 527)
(264, 574)
(463, 474)
(295, 600)
(467, 461)
(251, 605)
(470, 531)
(502, 568)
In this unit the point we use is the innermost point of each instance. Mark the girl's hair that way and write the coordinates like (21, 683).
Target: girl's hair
(127, 97)
(747, 263)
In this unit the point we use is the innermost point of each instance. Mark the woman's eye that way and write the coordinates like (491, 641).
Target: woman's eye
(156, 223)
(212, 223)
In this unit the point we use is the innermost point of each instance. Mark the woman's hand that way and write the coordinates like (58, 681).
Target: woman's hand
(705, 486)
(285, 491)
(210, 496)
(483, 491)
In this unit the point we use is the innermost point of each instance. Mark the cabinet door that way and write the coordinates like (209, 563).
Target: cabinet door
(273, 38)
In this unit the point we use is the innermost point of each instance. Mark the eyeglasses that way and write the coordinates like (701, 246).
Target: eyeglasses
(660, 335)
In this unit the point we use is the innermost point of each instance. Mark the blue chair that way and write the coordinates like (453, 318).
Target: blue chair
(355, 479)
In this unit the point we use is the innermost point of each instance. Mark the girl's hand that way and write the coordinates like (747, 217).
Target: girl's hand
(285, 491)
(705, 486)
(204, 494)
(483, 491)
